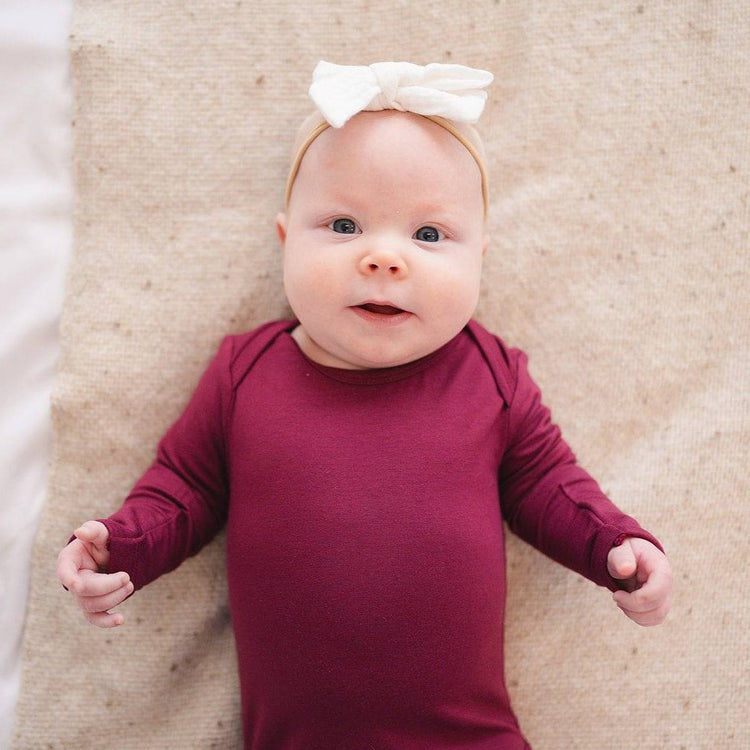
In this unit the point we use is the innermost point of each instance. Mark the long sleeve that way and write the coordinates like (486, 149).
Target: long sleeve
(181, 501)
(547, 498)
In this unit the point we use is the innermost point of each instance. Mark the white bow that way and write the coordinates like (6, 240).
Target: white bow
(450, 91)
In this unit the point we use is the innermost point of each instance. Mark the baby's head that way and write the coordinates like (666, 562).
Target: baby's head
(383, 232)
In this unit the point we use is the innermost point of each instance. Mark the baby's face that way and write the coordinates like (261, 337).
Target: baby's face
(383, 241)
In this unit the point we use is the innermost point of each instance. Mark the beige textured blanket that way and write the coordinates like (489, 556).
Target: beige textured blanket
(618, 136)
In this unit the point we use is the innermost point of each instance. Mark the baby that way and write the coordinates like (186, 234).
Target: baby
(365, 455)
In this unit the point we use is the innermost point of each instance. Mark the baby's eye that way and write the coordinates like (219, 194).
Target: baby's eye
(428, 234)
(344, 226)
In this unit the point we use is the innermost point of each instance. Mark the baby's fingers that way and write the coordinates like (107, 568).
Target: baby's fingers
(106, 601)
(646, 618)
(105, 619)
(69, 564)
(97, 608)
(87, 583)
(650, 604)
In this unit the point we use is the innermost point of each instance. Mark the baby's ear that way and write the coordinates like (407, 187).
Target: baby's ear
(485, 244)
(281, 227)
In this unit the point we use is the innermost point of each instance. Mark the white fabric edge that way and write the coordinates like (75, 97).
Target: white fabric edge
(35, 245)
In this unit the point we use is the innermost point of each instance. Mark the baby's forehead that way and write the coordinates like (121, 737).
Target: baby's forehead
(384, 135)
(379, 134)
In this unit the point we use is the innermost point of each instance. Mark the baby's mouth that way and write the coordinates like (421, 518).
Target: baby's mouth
(381, 309)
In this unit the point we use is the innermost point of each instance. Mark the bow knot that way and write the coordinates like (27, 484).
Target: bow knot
(450, 91)
(387, 79)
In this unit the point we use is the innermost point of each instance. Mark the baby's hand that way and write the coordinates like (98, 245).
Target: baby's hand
(646, 577)
(78, 569)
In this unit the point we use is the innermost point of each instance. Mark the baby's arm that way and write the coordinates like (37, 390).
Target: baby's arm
(173, 510)
(646, 577)
(79, 569)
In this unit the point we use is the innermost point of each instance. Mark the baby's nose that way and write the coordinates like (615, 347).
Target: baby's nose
(383, 261)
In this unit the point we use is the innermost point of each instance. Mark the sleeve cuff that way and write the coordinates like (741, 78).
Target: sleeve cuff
(613, 536)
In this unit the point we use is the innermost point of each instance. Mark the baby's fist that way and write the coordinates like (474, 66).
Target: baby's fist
(646, 579)
(80, 569)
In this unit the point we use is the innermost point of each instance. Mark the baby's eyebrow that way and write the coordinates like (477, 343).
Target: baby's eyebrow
(436, 213)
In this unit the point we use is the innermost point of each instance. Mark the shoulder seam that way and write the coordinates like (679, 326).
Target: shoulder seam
(495, 355)
(248, 348)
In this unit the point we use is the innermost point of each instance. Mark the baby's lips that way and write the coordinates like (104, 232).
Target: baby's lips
(381, 309)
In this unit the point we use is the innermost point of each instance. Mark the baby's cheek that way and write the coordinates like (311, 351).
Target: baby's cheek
(302, 278)
(456, 296)
(321, 286)
(314, 298)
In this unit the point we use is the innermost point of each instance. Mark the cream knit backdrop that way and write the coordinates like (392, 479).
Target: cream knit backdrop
(618, 136)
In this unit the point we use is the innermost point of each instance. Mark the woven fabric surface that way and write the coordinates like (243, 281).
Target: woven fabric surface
(618, 137)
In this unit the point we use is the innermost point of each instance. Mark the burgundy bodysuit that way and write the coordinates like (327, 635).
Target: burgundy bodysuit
(365, 551)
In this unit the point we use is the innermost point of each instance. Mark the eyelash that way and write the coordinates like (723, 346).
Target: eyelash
(348, 226)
